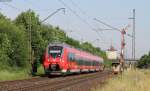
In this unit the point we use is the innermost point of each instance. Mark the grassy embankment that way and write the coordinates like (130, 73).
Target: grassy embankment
(131, 80)
(16, 74)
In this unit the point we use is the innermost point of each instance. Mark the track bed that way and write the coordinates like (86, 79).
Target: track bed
(82, 82)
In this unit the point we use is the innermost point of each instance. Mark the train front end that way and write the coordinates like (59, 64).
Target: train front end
(54, 61)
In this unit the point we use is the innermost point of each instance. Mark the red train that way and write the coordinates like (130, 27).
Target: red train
(64, 59)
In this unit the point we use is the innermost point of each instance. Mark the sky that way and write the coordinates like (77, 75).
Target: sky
(78, 20)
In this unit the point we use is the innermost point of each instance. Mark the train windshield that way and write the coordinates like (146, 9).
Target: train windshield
(55, 51)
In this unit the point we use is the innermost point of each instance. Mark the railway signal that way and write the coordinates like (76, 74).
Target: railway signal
(123, 32)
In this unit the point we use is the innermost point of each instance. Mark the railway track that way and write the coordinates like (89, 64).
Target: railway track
(54, 84)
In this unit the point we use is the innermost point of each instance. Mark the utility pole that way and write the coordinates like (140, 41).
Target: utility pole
(133, 34)
(30, 41)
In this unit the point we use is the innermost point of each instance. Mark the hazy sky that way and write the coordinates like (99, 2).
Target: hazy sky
(79, 15)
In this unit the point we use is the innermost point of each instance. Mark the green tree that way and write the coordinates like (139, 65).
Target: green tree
(30, 21)
(13, 44)
(144, 61)
(72, 42)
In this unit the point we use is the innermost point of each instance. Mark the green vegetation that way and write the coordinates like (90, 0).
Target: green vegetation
(40, 70)
(15, 45)
(131, 80)
(13, 74)
(108, 63)
(144, 61)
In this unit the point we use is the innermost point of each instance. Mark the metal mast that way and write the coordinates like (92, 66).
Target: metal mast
(133, 34)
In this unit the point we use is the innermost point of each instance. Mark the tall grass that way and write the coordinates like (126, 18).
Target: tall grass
(40, 70)
(17, 73)
(6, 75)
(132, 80)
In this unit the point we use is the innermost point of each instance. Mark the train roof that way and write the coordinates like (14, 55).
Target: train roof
(59, 44)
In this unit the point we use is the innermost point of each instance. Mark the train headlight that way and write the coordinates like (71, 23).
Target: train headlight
(61, 60)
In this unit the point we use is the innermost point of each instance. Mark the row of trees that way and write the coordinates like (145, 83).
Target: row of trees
(15, 40)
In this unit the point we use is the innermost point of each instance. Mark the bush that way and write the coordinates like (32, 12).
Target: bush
(144, 61)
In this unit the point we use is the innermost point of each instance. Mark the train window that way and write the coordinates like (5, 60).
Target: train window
(55, 51)
(78, 61)
(93, 63)
(87, 63)
(83, 62)
(71, 57)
